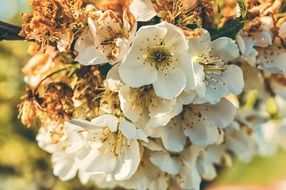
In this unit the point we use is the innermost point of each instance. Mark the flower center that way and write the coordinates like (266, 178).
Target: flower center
(159, 57)
(114, 142)
(210, 62)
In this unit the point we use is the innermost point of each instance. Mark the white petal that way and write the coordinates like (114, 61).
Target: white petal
(200, 78)
(128, 103)
(128, 162)
(206, 170)
(175, 39)
(160, 106)
(106, 120)
(272, 59)
(185, 98)
(201, 43)
(170, 85)
(164, 119)
(263, 38)
(131, 132)
(173, 136)
(142, 10)
(225, 48)
(64, 166)
(165, 162)
(189, 177)
(113, 81)
(202, 135)
(88, 53)
(99, 163)
(222, 84)
(134, 72)
(186, 65)
(80, 123)
(84, 177)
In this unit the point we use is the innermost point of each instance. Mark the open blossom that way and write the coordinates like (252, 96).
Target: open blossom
(106, 145)
(215, 77)
(202, 124)
(158, 168)
(261, 40)
(159, 57)
(108, 38)
(143, 105)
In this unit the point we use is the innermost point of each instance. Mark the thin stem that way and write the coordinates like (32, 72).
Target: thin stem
(50, 75)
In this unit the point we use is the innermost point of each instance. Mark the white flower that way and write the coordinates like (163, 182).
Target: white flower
(159, 57)
(113, 144)
(142, 105)
(215, 78)
(148, 176)
(260, 49)
(181, 168)
(65, 157)
(246, 45)
(203, 124)
(108, 38)
(136, 103)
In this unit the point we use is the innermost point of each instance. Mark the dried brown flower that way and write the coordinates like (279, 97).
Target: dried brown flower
(216, 14)
(57, 101)
(87, 89)
(117, 6)
(54, 22)
(179, 12)
(208, 14)
(261, 12)
(30, 108)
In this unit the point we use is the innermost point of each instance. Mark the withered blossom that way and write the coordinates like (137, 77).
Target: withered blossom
(216, 14)
(117, 6)
(55, 22)
(57, 101)
(88, 86)
(261, 14)
(179, 12)
(29, 109)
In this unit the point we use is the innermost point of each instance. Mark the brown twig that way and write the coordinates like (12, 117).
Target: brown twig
(9, 31)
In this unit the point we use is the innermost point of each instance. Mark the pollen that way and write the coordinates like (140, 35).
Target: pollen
(160, 58)
(210, 62)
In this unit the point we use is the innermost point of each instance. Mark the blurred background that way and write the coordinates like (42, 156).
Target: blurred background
(24, 166)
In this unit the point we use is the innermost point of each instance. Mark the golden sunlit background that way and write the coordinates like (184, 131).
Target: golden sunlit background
(24, 166)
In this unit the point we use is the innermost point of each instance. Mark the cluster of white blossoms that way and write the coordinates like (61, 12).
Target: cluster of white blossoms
(165, 103)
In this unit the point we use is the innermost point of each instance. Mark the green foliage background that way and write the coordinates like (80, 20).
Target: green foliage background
(24, 166)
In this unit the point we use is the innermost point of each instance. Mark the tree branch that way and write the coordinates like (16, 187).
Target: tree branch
(9, 32)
